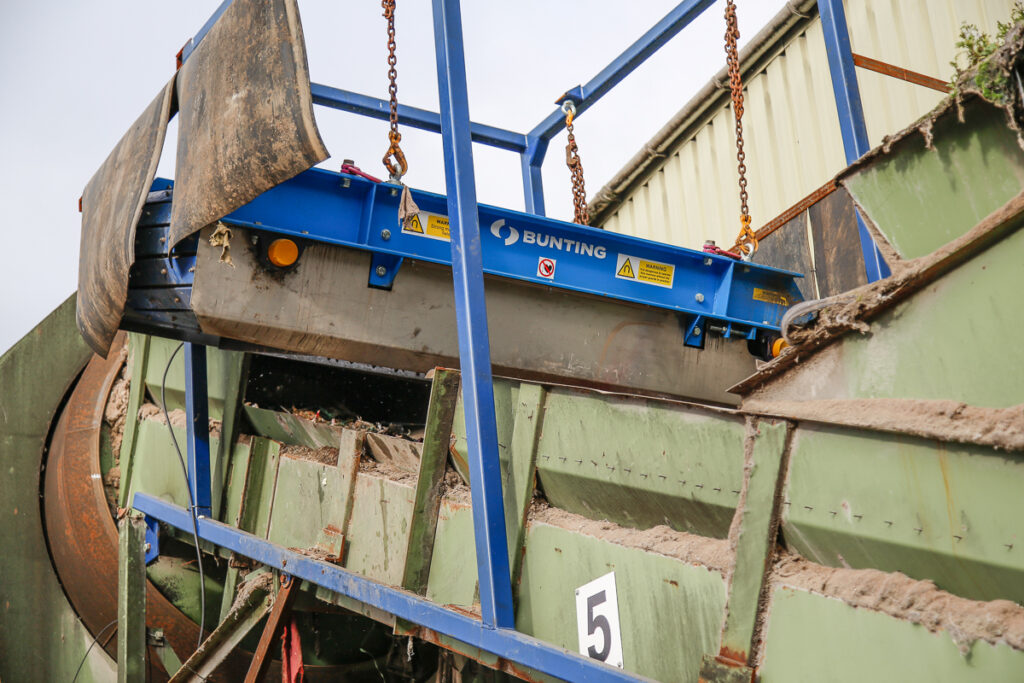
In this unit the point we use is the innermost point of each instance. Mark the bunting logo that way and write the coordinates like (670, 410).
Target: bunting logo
(513, 234)
(540, 239)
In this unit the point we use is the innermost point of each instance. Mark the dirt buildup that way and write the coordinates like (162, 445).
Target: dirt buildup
(1001, 428)
(388, 471)
(711, 553)
(117, 405)
(325, 455)
(179, 419)
(263, 581)
(899, 596)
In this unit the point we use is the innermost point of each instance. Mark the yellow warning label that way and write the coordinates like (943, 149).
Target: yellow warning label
(641, 270)
(412, 224)
(428, 225)
(771, 296)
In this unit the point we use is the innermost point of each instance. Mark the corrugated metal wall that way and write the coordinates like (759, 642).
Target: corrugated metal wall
(791, 128)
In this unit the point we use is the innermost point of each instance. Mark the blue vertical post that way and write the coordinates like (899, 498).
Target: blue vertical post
(533, 184)
(471, 316)
(851, 114)
(197, 427)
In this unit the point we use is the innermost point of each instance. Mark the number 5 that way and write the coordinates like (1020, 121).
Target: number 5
(598, 622)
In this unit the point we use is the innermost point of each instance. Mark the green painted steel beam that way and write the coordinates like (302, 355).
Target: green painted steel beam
(757, 528)
(131, 599)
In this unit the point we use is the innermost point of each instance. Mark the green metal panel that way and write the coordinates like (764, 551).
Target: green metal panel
(308, 513)
(899, 503)
(42, 638)
(670, 612)
(291, 429)
(157, 470)
(377, 536)
(506, 393)
(220, 372)
(814, 638)
(641, 463)
(957, 339)
(452, 578)
(921, 199)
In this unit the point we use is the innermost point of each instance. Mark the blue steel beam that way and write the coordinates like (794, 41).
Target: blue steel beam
(623, 65)
(471, 316)
(193, 42)
(413, 117)
(585, 96)
(851, 114)
(197, 427)
(334, 208)
(506, 643)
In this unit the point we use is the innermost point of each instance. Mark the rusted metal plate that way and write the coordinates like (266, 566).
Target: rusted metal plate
(787, 247)
(838, 261)
(111, 207)
(246, 113)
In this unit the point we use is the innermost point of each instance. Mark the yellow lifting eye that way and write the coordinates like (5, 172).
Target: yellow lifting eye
(282, 252)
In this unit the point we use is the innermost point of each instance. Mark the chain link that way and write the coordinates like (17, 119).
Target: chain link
(746, 241)
(581, 214)
(394, 158)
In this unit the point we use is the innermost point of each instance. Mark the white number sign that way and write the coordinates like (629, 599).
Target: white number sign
(597, 619)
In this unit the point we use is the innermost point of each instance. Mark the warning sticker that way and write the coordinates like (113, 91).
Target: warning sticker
(771, 296)
(641, 270)
(546, 268)
(428, 225)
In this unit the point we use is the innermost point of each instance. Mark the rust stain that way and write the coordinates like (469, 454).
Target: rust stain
(731, 658)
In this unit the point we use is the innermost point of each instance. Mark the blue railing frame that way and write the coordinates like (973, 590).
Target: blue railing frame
(495, 631)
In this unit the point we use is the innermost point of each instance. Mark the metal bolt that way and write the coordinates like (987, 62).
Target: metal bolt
(696, 332)
(381, 271)
(394, 191)
(148, 547)
(346, 182)
(385, 235)
(254, 239)
(699, 297)
(707, 261)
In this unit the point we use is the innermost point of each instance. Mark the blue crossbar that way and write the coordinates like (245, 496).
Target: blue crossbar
(503, 642)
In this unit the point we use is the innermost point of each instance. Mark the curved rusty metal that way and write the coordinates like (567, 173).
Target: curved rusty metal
(81, 531)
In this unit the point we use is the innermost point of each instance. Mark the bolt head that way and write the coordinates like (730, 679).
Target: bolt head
(699, 297)
(707, 261)
(385, 235)
(148, 547)
(381, 271)
(696, 332)
(346, 182)
(394, 191)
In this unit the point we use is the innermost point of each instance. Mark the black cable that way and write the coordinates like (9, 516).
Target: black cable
(191, 500)
(89, 649)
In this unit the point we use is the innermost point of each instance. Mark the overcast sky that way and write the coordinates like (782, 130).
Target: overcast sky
(75, 75)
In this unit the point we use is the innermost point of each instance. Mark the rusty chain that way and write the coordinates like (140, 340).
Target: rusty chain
(581, 214)
(394, 158)
(746, 241)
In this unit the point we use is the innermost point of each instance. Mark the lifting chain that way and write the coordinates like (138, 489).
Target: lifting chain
(394, 158)
(581, 214)
(747, 240)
